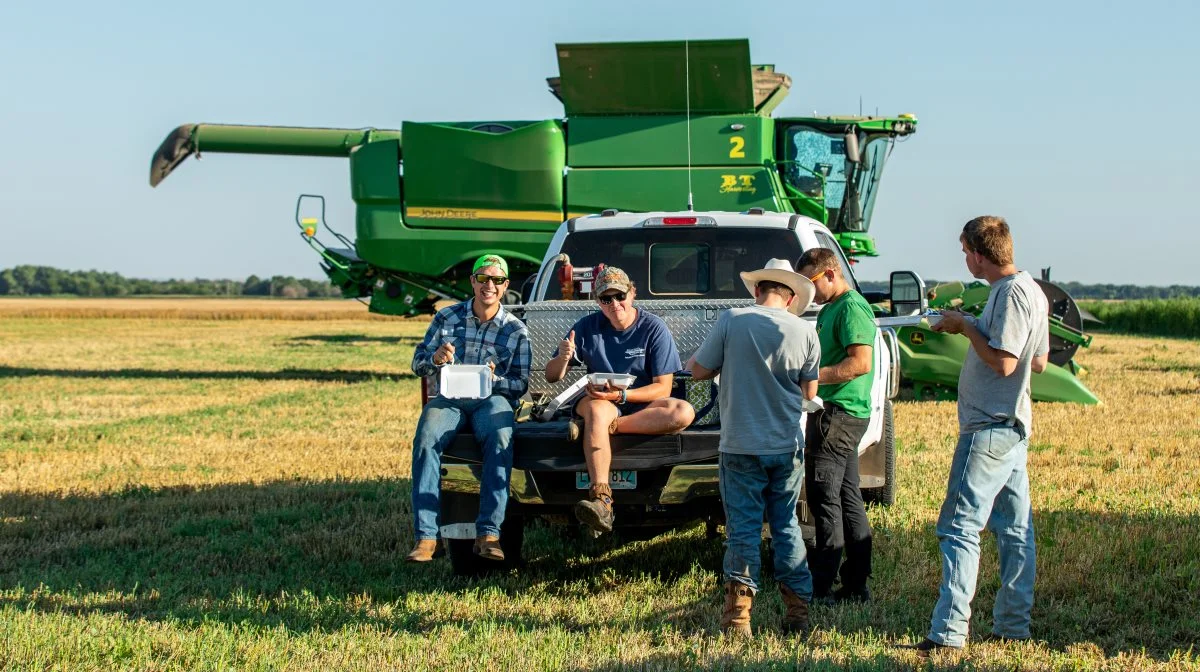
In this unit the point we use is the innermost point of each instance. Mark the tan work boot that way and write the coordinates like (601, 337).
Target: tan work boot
(423, 551)
(596, 511)
(735, 617)
(795, 616)
(488, 548)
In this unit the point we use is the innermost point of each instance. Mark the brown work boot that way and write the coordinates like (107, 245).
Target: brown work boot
(423, 551)
(735, 617)
(795, 615)
(596, 511)
(488, 548)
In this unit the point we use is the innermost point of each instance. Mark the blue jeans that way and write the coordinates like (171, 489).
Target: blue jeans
(989, 485)
(752, 485)
(491, 421)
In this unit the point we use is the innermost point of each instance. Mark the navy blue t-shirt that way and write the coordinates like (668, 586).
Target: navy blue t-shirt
(645, 349)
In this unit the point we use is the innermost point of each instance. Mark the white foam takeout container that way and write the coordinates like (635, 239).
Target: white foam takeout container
(617, 381)
(465, 381)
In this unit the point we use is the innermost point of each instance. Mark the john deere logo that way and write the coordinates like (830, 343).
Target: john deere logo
(916, 338)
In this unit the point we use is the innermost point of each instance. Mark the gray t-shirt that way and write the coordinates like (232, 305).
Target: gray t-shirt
(1013, 320)
(762, 354)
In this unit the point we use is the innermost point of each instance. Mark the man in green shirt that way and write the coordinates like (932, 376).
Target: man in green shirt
(846, 328)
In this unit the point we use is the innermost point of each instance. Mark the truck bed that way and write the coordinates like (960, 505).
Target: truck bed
(543, 446)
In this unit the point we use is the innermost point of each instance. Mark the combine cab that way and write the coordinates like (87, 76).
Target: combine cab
(648, 126)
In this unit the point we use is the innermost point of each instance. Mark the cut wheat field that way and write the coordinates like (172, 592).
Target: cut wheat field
(182, 489)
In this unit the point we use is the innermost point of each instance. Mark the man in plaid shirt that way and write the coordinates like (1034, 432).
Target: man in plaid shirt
(476, 331)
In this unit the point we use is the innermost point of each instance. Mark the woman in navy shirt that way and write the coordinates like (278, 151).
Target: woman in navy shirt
(619, 339)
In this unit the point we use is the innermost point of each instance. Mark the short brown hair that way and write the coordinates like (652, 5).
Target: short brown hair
(989, 236)
(820, 259)
(779, 288)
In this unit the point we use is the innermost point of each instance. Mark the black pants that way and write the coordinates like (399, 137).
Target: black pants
(831, 480)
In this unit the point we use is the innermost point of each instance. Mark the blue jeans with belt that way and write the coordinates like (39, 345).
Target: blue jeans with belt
(752, 485)
(989, 486)
(491, 422)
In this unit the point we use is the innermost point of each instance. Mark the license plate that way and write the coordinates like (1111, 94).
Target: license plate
(617, 480)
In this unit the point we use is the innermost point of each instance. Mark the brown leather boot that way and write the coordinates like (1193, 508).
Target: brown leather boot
(596, 511)
(423, 551)
(488, 548)
(795, 615)
(735, 617)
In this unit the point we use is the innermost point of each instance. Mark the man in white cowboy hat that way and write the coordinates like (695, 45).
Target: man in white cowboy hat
(768, 359)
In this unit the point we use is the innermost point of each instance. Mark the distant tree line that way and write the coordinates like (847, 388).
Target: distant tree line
(1079, 290)
(47, 281)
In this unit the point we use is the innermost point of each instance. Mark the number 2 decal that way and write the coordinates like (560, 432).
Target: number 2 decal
(737, 151)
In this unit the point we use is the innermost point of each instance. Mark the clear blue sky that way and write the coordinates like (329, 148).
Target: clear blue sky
(1069, 118)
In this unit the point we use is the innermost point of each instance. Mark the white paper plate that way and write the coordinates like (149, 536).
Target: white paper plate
(617, 381)
(465, 381)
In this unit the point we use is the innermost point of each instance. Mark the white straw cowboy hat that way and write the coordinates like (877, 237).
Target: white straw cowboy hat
(779, 270)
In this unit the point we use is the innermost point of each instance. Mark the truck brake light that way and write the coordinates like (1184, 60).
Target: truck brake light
(699, 220)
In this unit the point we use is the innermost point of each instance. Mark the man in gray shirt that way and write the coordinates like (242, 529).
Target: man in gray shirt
(768, 359)
(989, 484)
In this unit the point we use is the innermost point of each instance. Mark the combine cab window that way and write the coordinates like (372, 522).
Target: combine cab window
(692, 262)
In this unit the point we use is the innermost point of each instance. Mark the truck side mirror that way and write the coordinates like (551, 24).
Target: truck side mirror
(851, 145)
(908, 294)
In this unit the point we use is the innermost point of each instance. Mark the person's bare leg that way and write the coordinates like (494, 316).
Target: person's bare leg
(597, 450)
(662, 416)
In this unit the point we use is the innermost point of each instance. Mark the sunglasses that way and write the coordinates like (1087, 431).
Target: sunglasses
(484, 278)
(818, 276)
(607, 299)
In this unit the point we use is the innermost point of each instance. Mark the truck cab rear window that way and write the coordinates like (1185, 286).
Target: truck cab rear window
(692, 262)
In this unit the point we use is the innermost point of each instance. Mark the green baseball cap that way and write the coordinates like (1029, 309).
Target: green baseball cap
(491, 260)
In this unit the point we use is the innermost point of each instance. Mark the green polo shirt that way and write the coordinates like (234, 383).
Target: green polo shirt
(847, 321)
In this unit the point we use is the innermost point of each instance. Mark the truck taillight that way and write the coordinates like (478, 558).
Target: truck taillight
(679, 221)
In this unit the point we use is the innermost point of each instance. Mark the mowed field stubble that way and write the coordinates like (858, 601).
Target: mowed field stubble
(190, 484)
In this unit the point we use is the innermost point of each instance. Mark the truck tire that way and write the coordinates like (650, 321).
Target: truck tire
(464, 562)
(885, 495)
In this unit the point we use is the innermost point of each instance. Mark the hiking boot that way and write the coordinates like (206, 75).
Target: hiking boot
(927, 647)
(823, 600)
(795, 615)
(596, 511)
(488, 548)
(859, 595)
(423, 551)
(735, 616)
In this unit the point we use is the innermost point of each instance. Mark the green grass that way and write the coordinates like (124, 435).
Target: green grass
(190, 494)
(1160, 317)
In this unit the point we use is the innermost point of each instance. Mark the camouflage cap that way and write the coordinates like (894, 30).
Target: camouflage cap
(612, 278)
(491, 260)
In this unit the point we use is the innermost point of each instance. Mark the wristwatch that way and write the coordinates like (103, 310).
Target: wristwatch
(621, 399)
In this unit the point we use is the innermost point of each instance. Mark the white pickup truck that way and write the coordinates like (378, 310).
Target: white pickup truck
(686, 267)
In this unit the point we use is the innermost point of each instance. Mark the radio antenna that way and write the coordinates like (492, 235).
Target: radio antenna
(687, 97)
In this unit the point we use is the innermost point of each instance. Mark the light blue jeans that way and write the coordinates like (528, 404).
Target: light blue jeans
(491, 421)
(989, 485)
(752, 485)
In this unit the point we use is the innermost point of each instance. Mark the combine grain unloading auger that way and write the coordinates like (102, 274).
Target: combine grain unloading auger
(637, 136)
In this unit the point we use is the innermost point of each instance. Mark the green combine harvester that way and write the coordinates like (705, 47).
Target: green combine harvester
(645, 124)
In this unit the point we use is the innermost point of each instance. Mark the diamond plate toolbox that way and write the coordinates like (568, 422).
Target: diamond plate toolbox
(549, 321)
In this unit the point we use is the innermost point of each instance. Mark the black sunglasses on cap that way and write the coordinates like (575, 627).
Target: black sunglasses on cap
(607, 299)
(483, 278)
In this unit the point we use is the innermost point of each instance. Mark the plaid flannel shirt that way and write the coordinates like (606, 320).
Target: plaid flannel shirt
(503, 340)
